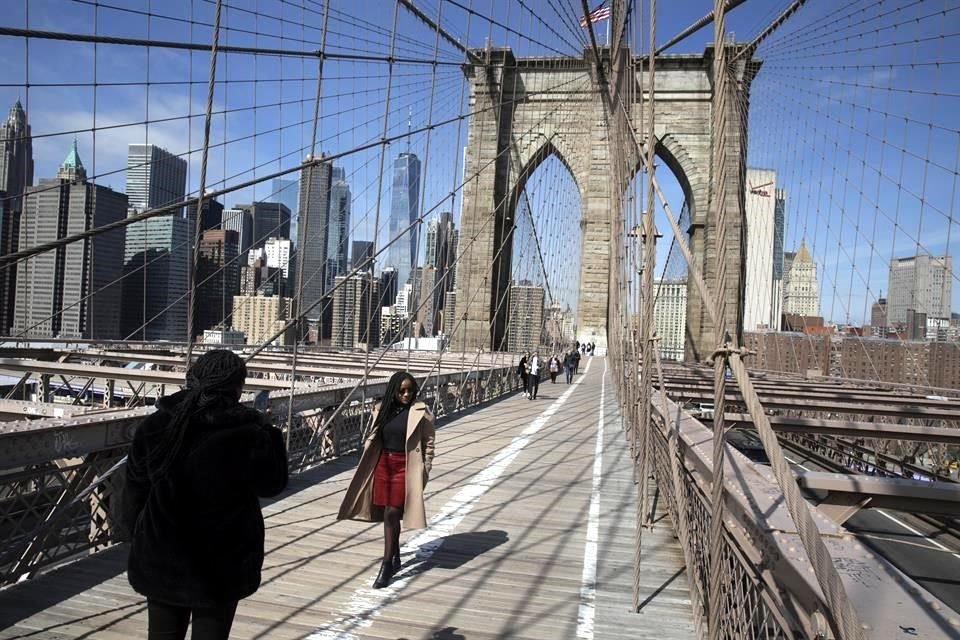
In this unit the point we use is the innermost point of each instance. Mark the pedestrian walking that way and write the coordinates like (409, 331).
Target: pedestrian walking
(554, 368)
(189, 506)
(576, 361)
(534, 369)
(523, 372)
(394, 467)
(569, 364)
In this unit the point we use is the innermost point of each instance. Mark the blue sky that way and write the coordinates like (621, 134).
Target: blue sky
(856, 192)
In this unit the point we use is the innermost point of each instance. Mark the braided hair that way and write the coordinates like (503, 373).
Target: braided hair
(390, 407)
(213, 382)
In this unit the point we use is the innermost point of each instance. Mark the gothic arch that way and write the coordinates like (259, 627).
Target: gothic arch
(532, 162)
(527, 109)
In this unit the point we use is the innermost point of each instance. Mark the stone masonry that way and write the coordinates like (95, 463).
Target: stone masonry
(525, 110)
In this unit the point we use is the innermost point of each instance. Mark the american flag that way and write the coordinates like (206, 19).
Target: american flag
(598, 14)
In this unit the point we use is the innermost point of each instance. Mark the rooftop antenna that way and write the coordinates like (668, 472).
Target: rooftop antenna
(409, 127)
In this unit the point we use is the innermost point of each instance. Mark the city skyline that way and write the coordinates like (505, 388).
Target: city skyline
(149, 194)
(852, 261)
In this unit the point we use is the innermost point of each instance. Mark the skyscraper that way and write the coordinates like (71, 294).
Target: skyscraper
(670, 316)
(269, 219)
(356, 315)
(212, 216)
(404, 204)
(440, 254)
(279, 255)
(760, 234)
(779, 224)
(218, 279)
(286, 191)
(389, 286)
(16, 174)
(241, 221)
(427, 320)
(361, 251)
(155, 177)
(922, 283)
(72, 291)
(262, 317)
(801, 294)
(157, 252)
(156, 277)
(312, 227)
(338, 229)
(526, 317)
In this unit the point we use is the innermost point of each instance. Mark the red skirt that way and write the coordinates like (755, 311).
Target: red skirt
(390, 479)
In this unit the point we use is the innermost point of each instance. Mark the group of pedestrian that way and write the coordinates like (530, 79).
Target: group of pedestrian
(194, 475)
(529, 369)
(531, 366)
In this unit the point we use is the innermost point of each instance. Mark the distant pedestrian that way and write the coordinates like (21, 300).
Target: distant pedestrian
(569, 364)
(554, 367)
(393, 470)
(576, 361)
(194, 472)
(534, 369)
(524, 375)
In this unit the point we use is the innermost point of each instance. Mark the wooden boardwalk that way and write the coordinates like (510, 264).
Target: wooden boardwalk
(504, 557)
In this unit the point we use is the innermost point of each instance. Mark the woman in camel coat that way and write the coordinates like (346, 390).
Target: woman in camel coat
(394, 467)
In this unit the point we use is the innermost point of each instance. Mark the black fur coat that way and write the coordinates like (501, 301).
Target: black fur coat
(197, 532)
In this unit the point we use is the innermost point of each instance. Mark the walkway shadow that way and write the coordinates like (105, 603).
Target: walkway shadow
(454, 551)
(447, 633)
(29, 598)
(650, 598)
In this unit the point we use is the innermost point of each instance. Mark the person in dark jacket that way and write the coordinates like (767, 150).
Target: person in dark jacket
(569, 364)
(194, 473)
(524, 375)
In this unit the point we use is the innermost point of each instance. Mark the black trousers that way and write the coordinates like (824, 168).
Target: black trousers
(534, 385)
(169, 622)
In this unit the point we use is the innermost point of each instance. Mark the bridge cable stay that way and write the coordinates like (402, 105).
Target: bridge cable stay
(837, 127)
(865, 161)
(888, 156)
(795, 499)
(237, 181)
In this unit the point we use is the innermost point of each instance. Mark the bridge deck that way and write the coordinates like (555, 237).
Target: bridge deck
(510, 508)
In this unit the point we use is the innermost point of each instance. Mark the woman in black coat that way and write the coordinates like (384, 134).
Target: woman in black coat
(524, 375)
(194, 474)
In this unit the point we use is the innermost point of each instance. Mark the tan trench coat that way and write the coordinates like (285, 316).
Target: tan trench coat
(358, 501)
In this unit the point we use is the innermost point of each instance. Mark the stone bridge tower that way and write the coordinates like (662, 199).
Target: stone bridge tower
(527, 109)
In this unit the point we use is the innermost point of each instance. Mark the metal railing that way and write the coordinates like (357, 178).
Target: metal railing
(767, 584)
(59, 477)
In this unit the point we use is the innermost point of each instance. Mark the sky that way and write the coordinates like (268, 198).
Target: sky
(869, 171)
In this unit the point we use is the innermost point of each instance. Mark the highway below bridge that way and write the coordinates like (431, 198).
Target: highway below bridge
(925, 547)
(826, 430)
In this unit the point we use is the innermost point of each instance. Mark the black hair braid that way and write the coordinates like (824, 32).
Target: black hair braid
(389, 406)
(211, 382)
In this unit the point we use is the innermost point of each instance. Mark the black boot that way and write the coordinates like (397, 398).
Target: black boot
(383, 578)
(395, 565)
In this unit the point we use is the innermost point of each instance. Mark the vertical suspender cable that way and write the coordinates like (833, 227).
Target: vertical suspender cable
(192, 298)
(298, 325)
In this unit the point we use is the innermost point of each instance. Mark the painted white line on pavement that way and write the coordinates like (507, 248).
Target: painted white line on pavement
(917, 533)
(794, 462)
(588, 580)
(366, 603)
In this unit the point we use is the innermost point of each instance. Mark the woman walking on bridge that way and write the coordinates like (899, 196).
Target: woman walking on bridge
(194, 472)
(394, 467)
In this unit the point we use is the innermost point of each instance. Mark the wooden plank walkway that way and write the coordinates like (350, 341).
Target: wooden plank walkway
(504, 557)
